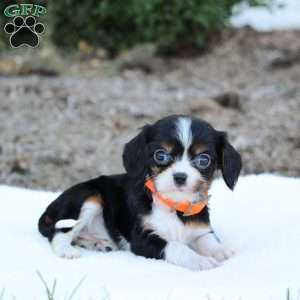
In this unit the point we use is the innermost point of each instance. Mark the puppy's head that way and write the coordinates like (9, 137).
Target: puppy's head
(181, 154)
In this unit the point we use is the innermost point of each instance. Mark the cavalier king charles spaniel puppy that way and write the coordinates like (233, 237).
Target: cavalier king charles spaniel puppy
(158, 208)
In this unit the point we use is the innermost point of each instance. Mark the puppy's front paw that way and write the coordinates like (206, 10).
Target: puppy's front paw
(205, 263)
(220, 253)
(208, 245)
(181, 255)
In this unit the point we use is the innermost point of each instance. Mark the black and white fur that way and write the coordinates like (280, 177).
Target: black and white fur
(118, 212)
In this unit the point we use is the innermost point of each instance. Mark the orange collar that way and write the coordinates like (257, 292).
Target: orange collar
(186, 207)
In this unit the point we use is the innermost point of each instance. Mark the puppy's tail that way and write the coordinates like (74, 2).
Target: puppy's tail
(46, 225)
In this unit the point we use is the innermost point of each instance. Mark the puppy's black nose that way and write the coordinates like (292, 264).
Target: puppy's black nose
(180, 178)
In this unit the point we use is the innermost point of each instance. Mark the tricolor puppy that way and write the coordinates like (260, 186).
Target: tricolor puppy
(158, 208)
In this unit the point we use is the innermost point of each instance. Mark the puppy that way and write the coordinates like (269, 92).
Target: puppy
(158, 208)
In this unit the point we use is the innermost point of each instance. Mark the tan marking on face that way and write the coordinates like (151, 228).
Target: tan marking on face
(155, 170)
(167, 146)
(95, 199)
(198, 148)
(202, 186)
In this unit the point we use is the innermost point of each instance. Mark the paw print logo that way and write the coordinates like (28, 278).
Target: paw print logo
(24, 32)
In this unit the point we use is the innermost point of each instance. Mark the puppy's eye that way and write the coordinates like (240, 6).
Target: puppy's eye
(162, 157)
(202, 161)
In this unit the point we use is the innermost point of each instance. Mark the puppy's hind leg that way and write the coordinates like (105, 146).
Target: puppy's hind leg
(66, 232)
(69, 232)
(95, 235)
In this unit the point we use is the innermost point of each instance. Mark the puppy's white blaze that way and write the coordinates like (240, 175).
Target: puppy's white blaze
(184, 131)
(66, 223)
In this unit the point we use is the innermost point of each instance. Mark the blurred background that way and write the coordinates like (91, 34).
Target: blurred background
(105, 68)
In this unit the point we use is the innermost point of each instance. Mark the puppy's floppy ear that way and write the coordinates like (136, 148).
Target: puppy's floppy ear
(230, 161)
(134, 153)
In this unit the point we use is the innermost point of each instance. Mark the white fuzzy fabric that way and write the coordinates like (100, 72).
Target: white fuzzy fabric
(259, 220)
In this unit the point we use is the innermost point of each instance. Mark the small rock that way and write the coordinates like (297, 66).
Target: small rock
(284, 59)
(229, 100)
(19, 166)
(141, 58)
(54, 160)
(294, 140)
(119, 124)
(281, 61)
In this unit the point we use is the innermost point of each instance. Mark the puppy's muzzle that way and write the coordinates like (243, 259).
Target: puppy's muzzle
(180, 178)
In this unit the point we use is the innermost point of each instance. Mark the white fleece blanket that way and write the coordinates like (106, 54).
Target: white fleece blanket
(260, 220)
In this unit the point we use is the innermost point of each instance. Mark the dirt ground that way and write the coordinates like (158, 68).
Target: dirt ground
(58, 130)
